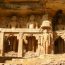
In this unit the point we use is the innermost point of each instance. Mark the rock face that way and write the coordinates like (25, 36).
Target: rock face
(33, 42)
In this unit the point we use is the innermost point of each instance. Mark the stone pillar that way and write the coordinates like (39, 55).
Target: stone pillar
(1, 43)
(39, 45)
(20, 45)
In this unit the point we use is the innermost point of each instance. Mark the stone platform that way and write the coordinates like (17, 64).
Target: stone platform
(50, 59)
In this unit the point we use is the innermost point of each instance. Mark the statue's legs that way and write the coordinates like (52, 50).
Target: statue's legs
(46, 48)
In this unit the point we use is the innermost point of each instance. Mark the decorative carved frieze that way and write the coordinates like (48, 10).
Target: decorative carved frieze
(20, 21)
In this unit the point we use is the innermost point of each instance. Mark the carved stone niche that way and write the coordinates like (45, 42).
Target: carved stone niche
(13, 22)
(31, 22)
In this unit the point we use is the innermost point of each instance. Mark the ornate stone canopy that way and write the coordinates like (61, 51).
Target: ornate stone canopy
(46, 24)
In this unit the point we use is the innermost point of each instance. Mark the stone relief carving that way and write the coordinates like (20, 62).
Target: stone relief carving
(20, 22)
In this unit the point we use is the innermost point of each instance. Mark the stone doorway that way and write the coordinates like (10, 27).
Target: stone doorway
(31, 45)
(59, 46)
(10, 45)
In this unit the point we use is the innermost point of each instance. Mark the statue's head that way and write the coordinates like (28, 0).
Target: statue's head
(13, 18)
(45, 31)
(32, 18)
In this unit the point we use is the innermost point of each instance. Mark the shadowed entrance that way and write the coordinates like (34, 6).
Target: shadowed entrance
(31, 44)
(59, 46)
(10, 44)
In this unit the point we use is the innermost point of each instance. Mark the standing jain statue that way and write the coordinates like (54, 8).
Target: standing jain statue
(46, 37)
(45, 41)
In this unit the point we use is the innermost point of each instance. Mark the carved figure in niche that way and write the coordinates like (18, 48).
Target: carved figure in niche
(32, 18)
(46, 41)
(31, 22)
(13, 22)
(3, 23)
(21, 22)
(36, 26)
(45, 17)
